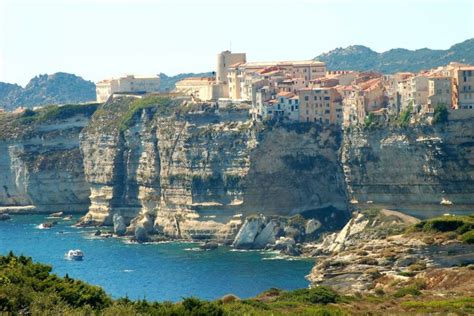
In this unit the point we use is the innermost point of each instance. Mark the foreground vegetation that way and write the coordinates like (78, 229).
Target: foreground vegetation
(449, 227)
(30, 288)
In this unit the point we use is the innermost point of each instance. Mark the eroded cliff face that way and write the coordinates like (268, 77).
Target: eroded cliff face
(192, 171)
(413, 168)
(41, 167)
(198, 175)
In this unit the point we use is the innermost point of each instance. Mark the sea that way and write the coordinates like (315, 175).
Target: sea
(168, 271)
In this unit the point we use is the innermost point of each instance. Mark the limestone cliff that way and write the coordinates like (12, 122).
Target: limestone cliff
(194, 171)
(197, 172)
(41, 167)
(412, 168)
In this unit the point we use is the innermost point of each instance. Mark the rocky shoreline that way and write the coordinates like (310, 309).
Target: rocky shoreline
(380, 251)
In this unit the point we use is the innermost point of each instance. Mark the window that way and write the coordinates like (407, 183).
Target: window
(327, 98)
(315, 98)
(306, 98)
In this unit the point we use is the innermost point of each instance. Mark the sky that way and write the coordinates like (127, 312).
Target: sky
(98, 39)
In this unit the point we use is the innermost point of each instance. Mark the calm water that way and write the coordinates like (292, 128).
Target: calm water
(166, 271)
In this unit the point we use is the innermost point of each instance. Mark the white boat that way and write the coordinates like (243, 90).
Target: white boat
(446, 202)
(76, 255)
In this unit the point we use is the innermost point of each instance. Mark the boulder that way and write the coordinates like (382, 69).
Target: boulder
(287, 246)
(119, 225)
(141, 234)
(312, 226)
(268, 235)
(295, 233)
(248, 232)
(209, 245)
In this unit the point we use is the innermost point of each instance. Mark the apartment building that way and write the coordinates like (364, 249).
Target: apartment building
(439, 91)
(323, 105)
(301, 71)
(463, 87)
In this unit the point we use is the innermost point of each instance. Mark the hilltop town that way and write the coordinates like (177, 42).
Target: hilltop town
(306, 91)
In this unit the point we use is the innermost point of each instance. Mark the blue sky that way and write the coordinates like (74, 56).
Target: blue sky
(101, 38)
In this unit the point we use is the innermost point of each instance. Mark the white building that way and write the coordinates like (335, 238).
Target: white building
(128, 83)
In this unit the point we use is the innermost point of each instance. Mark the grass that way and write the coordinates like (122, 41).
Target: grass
(18, 125)
(55, 112)
(465, 305)
(119, 114)
(162, 105)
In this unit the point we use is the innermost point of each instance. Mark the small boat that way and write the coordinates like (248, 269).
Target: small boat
(76, 255)
(67, 218)
(446, 202)
(4, 216)
(56, 215)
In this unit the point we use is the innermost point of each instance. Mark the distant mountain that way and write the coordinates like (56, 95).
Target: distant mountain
(8, 92)
(167, 83)
(57, 88)
(362, 58)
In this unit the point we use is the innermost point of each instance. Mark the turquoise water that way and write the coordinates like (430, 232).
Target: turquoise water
(166, 271)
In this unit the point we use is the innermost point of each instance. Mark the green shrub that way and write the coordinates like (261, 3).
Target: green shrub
(369, 121)
(468, 237)
(407, 273)
(443, 224)
(405, 115)
(323, 295)
(317, 295)
(409, 290)
(440, 114)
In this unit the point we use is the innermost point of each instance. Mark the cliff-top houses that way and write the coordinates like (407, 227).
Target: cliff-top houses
(305, 91)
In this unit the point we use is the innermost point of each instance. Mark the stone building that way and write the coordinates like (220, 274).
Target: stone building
(323, 105)
(128, 83)
(463, 87)
(200, 88)
(439, 91)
